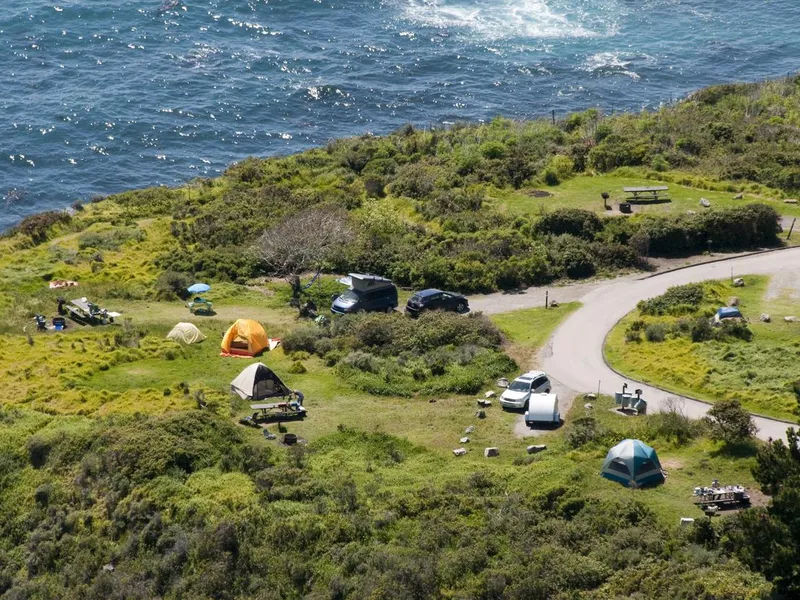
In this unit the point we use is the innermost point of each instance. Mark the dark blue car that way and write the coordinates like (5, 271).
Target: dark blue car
(436, 300)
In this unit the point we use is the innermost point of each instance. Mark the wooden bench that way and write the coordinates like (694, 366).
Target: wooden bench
(656, 193)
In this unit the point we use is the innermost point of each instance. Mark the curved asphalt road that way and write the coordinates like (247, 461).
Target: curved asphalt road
(574, 355)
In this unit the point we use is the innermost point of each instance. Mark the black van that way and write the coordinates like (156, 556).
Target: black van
(368, 293)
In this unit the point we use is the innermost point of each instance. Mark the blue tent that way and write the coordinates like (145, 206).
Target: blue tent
(632, 463)
(729, 312)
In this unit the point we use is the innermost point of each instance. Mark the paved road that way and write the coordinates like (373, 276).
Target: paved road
(574, 355)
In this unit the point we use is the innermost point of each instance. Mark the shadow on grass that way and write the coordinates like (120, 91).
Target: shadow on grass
(743, 449)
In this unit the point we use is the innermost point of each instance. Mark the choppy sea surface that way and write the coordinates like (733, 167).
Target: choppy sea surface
(98, 96)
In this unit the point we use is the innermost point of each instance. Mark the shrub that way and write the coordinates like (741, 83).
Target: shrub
(632, 336)
(171, 284)
(655, 332)
(691, 295)
(702, 330)
(730, 423)
(583, 431)
(573, 221)
(297, 368)
(38, 226)
(303, 338)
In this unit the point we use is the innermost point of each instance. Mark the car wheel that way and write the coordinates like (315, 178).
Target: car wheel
(547, 391)
(461, 307)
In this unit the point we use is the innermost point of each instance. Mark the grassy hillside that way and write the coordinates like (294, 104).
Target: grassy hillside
(125, 473)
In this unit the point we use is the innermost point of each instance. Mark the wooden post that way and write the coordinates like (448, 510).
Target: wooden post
(788, 235)
(554, 116)
(546, 298)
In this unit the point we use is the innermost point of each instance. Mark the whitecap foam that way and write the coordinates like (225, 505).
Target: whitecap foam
(615, 63)
(503, 19)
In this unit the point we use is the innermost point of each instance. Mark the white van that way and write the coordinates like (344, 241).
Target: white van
(542, 408)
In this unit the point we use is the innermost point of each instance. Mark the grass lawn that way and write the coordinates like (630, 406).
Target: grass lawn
(584, 192)
(528, 329)
(759, 373)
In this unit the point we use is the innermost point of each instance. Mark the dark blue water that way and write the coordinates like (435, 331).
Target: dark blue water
(98, 96)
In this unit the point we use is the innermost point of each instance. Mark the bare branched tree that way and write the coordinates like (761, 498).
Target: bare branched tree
(304, 241)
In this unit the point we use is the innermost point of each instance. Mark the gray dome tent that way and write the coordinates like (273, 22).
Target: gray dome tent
(632, 463)
(258, 382)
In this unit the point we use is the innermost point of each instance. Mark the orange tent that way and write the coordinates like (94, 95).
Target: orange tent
(245, 338)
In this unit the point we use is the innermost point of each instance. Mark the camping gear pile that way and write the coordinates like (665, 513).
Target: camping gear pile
(715, 498)
(634, 464)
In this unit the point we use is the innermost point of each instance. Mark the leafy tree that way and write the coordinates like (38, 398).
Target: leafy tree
(730, 423)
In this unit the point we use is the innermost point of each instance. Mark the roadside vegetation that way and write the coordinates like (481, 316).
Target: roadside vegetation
(670, 341)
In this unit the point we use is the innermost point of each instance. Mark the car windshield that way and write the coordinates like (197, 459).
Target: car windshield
(350, 295)
(520, 386)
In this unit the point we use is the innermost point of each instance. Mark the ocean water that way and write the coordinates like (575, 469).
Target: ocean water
(99, 96)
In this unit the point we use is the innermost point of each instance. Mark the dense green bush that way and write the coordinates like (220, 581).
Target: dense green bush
(678, 299)
(390, 354)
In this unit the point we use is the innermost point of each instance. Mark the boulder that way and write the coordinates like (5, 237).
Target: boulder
(733, 301)
(470, 429)
(590, 396)
(489, 395)
(790, 201)
(588, 406)
(765, 318)
(739, 196)
(790, 319)
(536, 448)
(460, 451)
(553, 304)
(738, 282)
(484, 403)
(481, 414)
(502, 382)
(464, 440)
(489, 452)
(691, 212)
(704, 202)
(687, 521)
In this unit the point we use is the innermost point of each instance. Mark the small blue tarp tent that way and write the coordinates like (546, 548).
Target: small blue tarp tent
(632, 463)
(728, 312)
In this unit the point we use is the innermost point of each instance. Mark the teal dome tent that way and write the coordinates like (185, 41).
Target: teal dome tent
(632, 463)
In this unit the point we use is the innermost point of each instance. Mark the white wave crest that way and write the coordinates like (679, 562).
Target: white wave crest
(503, 19)
(616, 63)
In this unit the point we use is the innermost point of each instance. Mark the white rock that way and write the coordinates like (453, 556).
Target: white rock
(588, 406)
(790, 201)
(765, 318)
(502, 382)
(464, 440)
(790, 319)
(734, 301)
(590, 396)
(470, 429)
(460, 451)
(686, 521)
(738, 282)
(704, 202)
(489, 452)
(739, 196)
(481, 414)
(489, 394)
(536, 448)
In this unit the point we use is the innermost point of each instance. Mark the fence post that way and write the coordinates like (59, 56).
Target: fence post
(790, 228)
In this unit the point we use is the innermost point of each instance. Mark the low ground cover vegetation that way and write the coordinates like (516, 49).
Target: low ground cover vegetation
(391, 354)
(671, 341)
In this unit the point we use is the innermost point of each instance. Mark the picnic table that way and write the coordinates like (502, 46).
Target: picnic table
(647, 194)
(723, 497)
